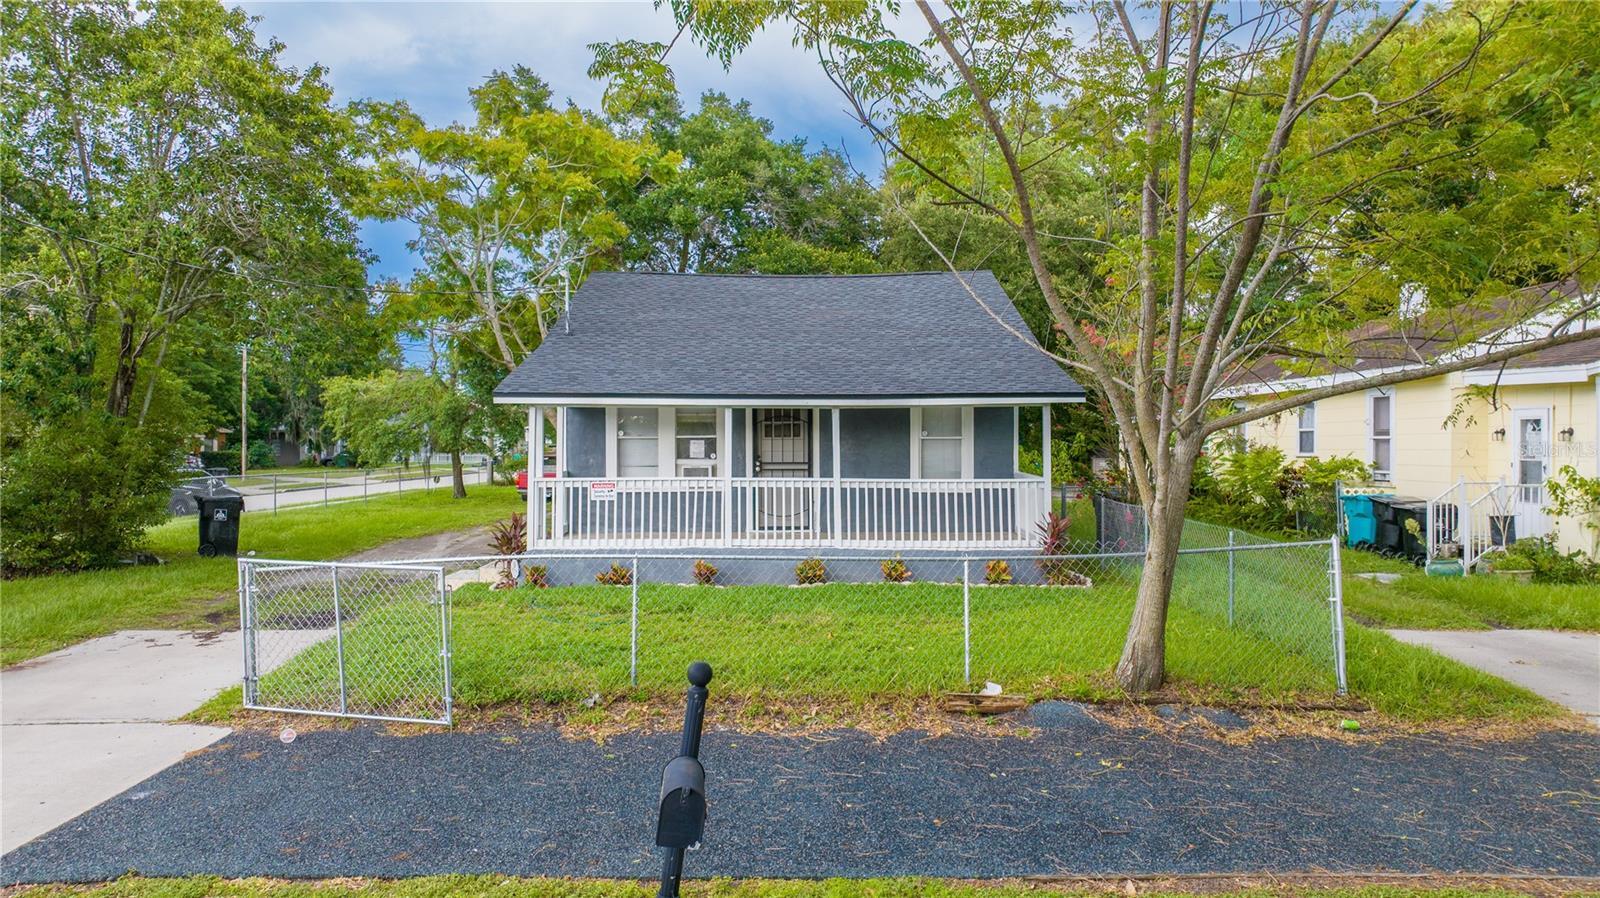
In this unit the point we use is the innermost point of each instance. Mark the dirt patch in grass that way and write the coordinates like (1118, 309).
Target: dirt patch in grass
(881, 719)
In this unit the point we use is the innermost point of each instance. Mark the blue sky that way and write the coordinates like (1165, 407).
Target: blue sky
(430, 54)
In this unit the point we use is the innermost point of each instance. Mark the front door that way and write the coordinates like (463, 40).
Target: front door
(1530, 465)
(783, 451)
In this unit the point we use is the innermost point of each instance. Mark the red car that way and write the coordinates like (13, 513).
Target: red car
(522, 481)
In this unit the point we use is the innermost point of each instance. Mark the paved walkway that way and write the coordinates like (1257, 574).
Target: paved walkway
(80, 725)
(1080, 797)
(83, 724)
(1561, 666)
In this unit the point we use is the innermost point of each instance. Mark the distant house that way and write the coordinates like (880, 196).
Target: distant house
(787, 411)
(1483, 441)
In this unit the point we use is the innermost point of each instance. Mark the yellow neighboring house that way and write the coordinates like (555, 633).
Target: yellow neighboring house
(1482, 441)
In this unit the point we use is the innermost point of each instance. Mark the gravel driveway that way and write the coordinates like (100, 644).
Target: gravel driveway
(1079, 797)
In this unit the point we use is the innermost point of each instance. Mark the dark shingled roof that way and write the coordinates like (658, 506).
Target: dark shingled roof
(889, 336)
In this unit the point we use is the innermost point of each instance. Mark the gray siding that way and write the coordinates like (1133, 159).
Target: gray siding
(873, 443)
(993, 443)
(586, 442)
(736, 441)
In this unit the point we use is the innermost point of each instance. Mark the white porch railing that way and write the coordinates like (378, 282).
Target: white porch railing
(1481, 517)
(801, 512)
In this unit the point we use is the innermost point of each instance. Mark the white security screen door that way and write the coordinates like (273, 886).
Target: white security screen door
(783, 450)
(1530, 465)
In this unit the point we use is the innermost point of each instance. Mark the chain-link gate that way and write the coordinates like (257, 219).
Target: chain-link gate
(367, 640)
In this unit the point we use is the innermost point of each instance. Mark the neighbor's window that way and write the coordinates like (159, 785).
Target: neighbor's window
(1308, 429)
(696, 438)
(637, 430)
(941, 443)
(1382, 425)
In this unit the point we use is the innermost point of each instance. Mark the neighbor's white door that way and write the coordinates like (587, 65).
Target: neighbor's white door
(1530, 466)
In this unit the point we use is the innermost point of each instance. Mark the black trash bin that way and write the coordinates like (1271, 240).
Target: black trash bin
(220, 510)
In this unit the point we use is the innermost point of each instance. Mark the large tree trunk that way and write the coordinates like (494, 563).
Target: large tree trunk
(1143, 666)
(125, 375)
(458, 482)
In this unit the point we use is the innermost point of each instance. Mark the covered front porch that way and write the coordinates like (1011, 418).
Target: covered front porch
(679, 473)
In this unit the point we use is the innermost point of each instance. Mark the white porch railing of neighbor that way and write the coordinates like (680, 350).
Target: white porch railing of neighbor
(798, 512)
(1476, 518)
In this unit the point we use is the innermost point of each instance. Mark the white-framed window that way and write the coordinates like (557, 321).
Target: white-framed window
(1380, 433)
(941, 442)
(695, 433)
(638, 442)
(1306, 429)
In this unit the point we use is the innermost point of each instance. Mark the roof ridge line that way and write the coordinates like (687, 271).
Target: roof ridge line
(755, 275)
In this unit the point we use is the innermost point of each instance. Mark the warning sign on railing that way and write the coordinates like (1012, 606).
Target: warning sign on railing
(604, 490)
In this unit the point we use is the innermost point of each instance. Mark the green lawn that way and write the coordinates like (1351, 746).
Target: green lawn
(1478, 602)
(41, 614)
(510, 887)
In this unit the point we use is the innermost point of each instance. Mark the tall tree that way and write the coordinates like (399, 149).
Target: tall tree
(509, 208)
(1271, 174)
(743, 202)
(158, 162)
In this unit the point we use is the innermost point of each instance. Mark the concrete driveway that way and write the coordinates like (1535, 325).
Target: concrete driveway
(1563, 667)
(84, 724)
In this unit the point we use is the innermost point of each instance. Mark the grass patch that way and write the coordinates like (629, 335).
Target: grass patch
(1482, 601)
(511, 887)
(42, 614)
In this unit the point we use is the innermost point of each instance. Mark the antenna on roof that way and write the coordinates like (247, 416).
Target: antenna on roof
(566, 303)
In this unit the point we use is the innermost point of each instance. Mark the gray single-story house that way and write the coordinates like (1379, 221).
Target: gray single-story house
(860, 411)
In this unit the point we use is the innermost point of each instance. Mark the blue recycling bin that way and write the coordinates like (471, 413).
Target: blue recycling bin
(1360, 523)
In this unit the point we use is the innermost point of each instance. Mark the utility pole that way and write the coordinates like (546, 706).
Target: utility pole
(244, 399)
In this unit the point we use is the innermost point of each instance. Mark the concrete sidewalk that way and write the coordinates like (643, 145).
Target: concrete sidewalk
(1563, 667)
(83, 724)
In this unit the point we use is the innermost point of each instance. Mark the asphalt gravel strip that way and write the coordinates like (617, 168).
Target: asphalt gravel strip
(1077, 798)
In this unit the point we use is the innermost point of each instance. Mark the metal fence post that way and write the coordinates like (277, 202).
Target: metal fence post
(1336, 604)
(246, 631)
(338, 643)
(633, 627)
(324, 487)
(1230, 577)
(445, 654)
(966, 620)
(363, 484)
(274, 494)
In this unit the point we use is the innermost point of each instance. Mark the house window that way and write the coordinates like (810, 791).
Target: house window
(940, 449)
(1308, 429)
(637, 446)
(696, 442)
(1381, 424)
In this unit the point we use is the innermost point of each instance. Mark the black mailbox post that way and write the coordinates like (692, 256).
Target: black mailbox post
(682, 810)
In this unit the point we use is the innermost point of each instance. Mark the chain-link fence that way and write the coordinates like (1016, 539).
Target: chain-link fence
(358, 640)
(1250, 619)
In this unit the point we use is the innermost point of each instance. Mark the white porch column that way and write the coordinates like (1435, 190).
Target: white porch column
(535, 474)
(1045, 449)
(725, 464)
(838, 496)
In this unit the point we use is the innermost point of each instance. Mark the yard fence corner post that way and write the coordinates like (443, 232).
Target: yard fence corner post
(1336, 608)
(633, 626)
(324, 487)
